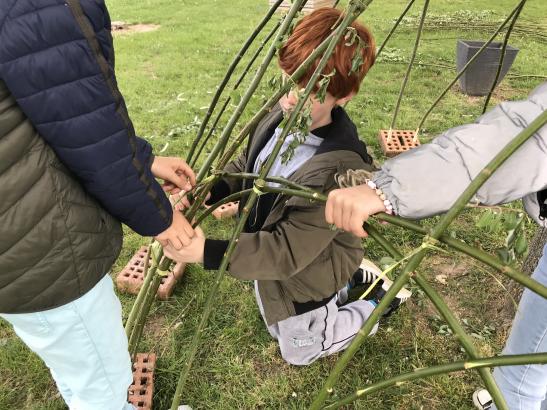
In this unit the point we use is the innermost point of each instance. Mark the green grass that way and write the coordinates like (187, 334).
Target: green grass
(168, 77)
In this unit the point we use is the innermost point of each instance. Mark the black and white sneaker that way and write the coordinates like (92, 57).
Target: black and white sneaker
(363, 277)
(482, 399)
(367, 273)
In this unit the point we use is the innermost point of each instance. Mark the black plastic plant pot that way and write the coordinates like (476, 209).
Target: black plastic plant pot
(479, 77)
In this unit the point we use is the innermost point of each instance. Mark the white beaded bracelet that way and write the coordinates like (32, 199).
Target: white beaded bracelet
(380, 193)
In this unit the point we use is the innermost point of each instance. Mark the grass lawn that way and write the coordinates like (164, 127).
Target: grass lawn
(168, 77)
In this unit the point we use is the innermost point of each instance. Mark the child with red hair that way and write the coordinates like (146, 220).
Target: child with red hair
(301, 267)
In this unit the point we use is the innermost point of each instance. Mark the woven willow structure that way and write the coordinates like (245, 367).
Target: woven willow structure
(227, 145)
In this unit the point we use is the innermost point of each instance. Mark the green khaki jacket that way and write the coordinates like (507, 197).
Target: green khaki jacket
(296, 257)
(56, 241)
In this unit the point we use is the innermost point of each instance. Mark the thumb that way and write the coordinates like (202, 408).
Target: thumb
(178, 180)
(199, 232)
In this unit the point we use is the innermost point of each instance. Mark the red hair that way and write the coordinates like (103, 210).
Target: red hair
(310, 32)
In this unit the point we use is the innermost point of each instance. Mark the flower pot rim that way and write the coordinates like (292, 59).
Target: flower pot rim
(476, 44)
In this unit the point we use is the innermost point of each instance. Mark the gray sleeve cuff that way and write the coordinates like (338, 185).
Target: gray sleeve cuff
(383, 181)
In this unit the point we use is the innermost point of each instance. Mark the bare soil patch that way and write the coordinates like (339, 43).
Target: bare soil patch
(123, 28)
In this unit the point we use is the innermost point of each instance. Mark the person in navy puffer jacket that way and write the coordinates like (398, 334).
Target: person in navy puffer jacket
(72, 169)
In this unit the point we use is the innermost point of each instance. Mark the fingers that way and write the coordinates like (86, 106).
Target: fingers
(356, 225)
(189, 172)
(338, 212)
(175, 172)
(169, 187)
(343, 211)
(329, 207)
(188, 254)
(179, 202)
(170, 238)
(173, 254)
(199, 232)
(179, 234)
(167, 250)
(178, 181)
(176, 242)
(174, 199)
(163, 242)
(346, 216)
(182, 204)
(188, 232)
(184, 172)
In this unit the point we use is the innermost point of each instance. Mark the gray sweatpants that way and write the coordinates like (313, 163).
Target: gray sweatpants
(329, 329)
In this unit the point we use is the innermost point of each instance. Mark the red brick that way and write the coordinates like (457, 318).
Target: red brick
(400, 141)
(131, 278)
(226, 211)
(168, 283)
(141, 391)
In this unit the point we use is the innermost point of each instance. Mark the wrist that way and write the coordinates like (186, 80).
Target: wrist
(383, 204)
(213, 253)
(201, 254)
(154, 166)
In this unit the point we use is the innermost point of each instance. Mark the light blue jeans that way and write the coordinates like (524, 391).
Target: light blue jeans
(524, 387)
(84, 345)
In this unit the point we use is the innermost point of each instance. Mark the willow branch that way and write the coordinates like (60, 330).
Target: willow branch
(462, 337)
(229, 73)
(285, 26)
(230, 198)
(502, 56)
(460, 73)
(246, 70)
(394, 27)
(475, 253)
(496, 361)
(410, 65)
(354, 10)
(414, 262)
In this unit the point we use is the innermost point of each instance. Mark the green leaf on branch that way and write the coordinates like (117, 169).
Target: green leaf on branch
(275, 81)
(300, 131)
(521, 245)
(511, 221)
(350, 39)
(351, 36)
(357, 62)
(323, 85)
(489, 221)
(504, 255)
(386, 262)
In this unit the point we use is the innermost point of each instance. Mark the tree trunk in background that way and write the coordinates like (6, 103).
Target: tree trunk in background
(536, 249)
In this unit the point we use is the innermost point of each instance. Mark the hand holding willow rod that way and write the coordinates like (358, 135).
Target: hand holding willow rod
(179, 234)
(349, 208)
(191, 253)
(175, 172)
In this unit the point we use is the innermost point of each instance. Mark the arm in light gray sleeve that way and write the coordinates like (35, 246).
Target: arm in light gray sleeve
(427, 180)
